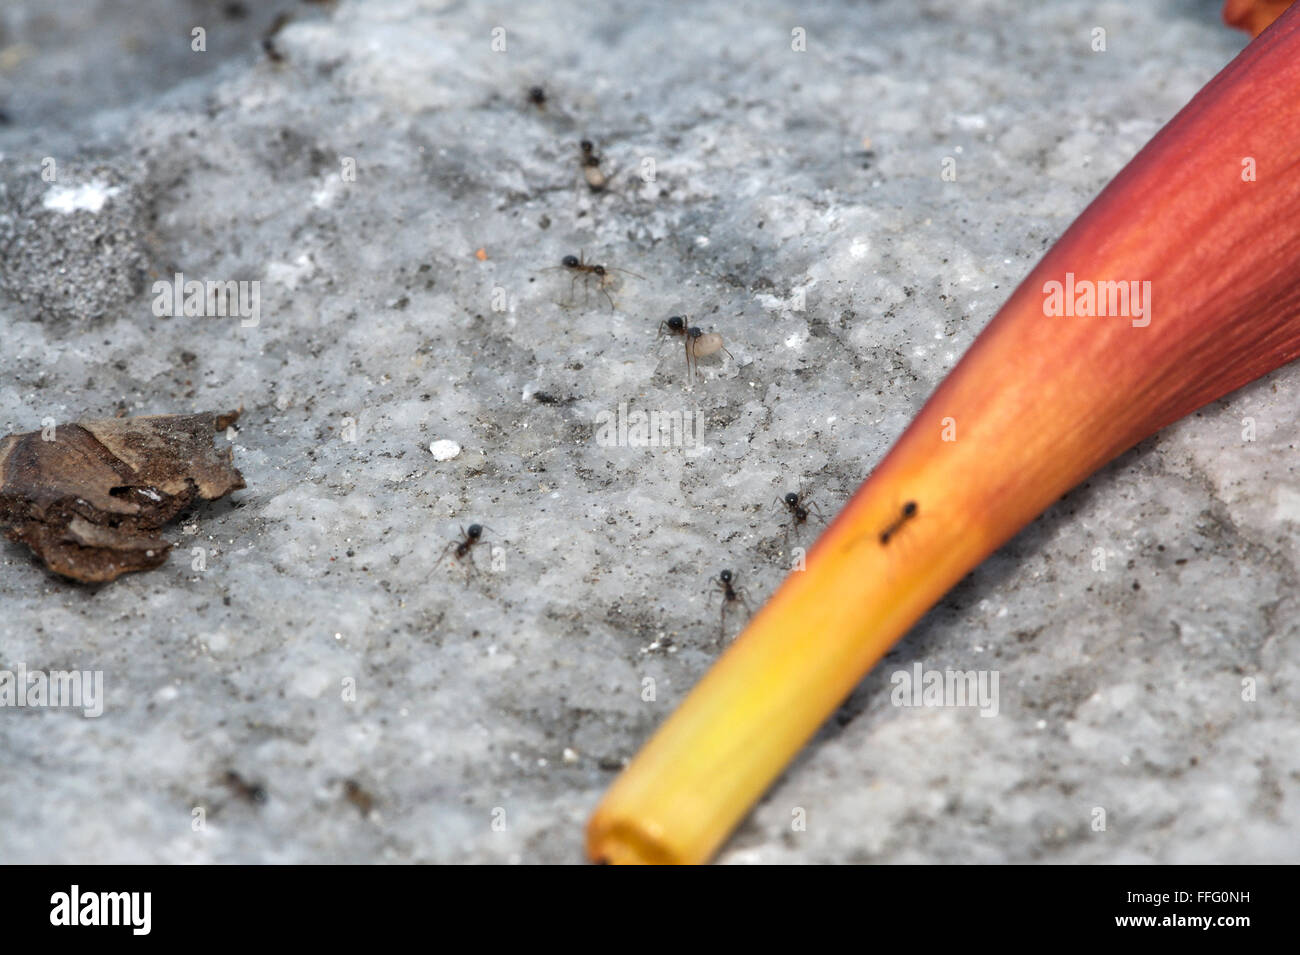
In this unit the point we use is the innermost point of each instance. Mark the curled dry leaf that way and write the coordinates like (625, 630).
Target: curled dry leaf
(89, 498)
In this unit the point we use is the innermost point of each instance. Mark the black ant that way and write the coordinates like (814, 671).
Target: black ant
(799, 508)
(537, 96)
(730, 595)
(461, 548)
(674, 325)
(596, 180)
(241, 787)
(909, 512)
(696, 341)
(268, 38)
(582, 269)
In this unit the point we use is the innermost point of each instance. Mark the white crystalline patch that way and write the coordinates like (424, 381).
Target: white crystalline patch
(311, 682)
(324, 196)
(1288, 505)
(89, 197)
(444, 450)
(289, 275)
(859, 248)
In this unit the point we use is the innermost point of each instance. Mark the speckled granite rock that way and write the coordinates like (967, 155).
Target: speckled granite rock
(303, 681)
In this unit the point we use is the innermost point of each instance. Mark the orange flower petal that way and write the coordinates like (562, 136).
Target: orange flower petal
(1253, 16)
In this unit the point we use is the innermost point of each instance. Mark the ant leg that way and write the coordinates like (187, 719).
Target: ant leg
(448, 547)
(472, 562)
(443, 555)
(612, 307)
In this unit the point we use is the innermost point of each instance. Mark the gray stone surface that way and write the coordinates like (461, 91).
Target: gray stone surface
(519, 687)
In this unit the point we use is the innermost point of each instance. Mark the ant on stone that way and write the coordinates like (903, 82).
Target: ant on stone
(470, 536)
(799, 507)
(537, 96)
(697, 343)
(700, 345)
(273, 52)
(673, 325)
(591, 171)
(582, 269)
(730, 595)
(909, 512)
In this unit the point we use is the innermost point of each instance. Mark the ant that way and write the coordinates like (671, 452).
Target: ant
(471, 535)
(268, 38)
(909, 512)
(798, 507)
(596, 180)
(699, 345)
(674, 325)
(730, 595)
(582, 269)
(696, 341)
(537, 96)
(241, 787)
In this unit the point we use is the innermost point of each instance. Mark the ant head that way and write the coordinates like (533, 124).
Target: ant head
(474, 531)
(725, 576)
(909, 508)
(676, 323)
(695, 331)
(569, 261)
(586, 145)
(598, 269)
(537, 94)
(792, 498)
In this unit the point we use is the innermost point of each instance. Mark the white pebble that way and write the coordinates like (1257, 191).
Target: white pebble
(444, 450)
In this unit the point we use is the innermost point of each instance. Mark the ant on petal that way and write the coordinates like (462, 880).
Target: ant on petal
(908, 512)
